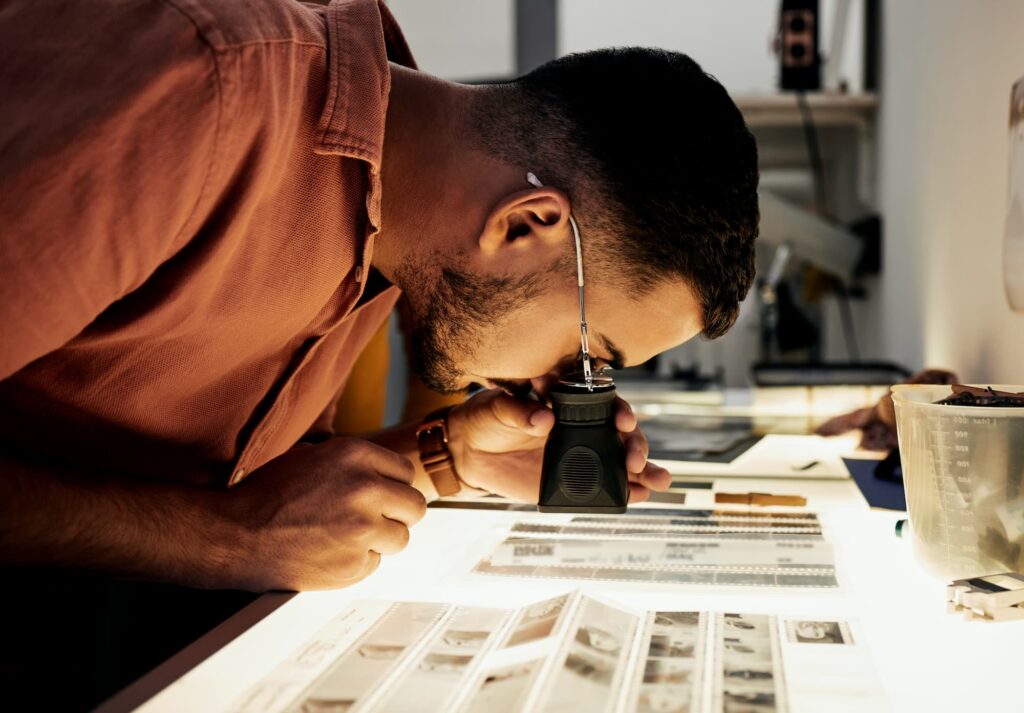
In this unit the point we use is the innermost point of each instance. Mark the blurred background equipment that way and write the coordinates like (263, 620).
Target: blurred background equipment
(870, 139)
(817, 152)
(798, 45)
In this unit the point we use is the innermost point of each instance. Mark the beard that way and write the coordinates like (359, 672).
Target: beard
(453, 318)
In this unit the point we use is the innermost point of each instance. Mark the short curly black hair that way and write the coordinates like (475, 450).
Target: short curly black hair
(657, 161)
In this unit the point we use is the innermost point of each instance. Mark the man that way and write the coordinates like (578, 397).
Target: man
(209, 207)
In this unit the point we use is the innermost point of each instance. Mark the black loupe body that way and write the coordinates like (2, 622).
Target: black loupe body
(584, 459)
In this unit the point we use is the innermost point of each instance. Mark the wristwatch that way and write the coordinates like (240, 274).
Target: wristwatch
(432, 441)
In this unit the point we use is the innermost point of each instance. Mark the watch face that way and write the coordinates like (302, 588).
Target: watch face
(432, 438)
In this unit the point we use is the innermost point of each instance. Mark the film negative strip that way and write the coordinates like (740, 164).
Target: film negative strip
(519, 657)
(481, 504)
(589, 670)
(537, 621)
(567, 653)
(747, 672)
(813, 577)
(702, 553)
(707, 548)
(504, 688)
(816, 631)
(646, 515)
(290, 678)
(355, 675)
(434, 677)
(669, 668)
(701, 524)
(671, 533)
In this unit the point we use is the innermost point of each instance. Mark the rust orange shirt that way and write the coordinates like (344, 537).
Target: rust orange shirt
(189, 193)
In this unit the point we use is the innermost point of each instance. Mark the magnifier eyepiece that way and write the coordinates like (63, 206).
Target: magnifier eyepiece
(584, 459)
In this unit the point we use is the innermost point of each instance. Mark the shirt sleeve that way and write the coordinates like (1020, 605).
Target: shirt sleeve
(110, 121)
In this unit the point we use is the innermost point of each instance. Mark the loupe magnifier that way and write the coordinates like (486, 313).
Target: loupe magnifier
(584, 460)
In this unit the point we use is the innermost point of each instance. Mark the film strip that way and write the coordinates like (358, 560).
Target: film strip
(708, 547)
(806, 631)
(589, 670)
(810, 577)
(433, 677)
(672, 533)
(355, 675)
(523, 648)
(641, 516)
(747, 672)
(504, 687)
(282, 687)
(752, 555)
(702, 524)
(669, 668)
(567, 653)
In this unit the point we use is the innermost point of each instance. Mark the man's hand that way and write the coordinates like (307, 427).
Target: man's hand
(321, 516)
(497, 442)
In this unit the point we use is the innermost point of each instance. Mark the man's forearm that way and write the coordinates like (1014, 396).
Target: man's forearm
(132, 528)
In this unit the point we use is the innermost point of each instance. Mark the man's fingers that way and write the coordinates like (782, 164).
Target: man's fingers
(387, 462)
(370, 564)
(625, 419)
(402, 503)
(636, 451)
(652, 476)
(531, 416)
(391, 538)
(637, 493)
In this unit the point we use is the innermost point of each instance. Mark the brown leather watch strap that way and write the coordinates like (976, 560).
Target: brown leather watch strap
(432, 441)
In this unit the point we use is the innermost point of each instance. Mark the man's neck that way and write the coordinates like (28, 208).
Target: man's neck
(437, 183)
(420, 145)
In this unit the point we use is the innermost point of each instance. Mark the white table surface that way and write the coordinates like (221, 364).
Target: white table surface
(924, 658)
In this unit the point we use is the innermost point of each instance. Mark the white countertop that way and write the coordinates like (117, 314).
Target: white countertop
(924, 658)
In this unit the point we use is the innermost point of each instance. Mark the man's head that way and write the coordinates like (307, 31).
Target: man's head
(655, 163)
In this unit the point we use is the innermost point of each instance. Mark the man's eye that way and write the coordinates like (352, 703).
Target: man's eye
(596, 362)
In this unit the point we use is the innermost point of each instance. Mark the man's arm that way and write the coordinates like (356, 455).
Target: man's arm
(133, 528)
(111, 116)
(316, 517)
(110, 121)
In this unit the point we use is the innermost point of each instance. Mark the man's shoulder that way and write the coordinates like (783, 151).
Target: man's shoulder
(230, 24)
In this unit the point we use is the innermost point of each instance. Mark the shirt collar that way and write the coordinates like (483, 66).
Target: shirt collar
(362, 38)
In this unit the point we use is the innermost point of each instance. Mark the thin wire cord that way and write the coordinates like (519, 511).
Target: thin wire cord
(814, 154)
(588, 372)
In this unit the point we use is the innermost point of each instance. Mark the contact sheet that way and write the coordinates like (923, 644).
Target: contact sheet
(566, 653)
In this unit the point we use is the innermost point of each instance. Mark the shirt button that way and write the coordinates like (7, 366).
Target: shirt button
(359, 273)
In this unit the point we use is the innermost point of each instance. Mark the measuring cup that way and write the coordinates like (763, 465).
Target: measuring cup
(963, 472)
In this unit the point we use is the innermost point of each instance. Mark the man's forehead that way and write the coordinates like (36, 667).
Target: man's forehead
(642, 326)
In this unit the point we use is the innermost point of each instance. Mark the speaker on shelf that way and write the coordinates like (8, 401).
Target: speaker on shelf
(799, 57)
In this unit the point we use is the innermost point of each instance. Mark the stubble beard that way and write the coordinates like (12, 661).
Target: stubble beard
(456, 315)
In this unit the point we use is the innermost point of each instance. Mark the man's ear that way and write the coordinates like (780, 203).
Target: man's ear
(530, 221)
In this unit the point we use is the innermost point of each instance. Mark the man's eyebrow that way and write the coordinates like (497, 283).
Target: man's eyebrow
(618, 360)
